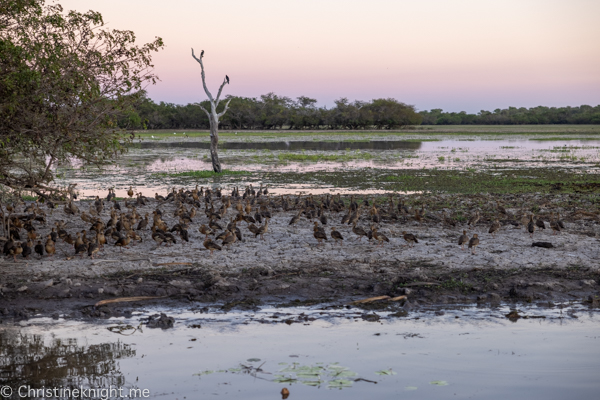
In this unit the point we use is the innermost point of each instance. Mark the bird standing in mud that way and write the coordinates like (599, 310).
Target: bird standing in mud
(531, 226)
(409, 238)
(210, 245)
(463, 239)
(319, 233)
(473, 243)
(336, 236)
(495, 227)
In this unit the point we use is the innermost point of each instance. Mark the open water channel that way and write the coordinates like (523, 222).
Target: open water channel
(314, 352)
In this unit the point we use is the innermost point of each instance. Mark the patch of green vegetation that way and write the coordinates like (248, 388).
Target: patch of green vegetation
(325, 157)
(555, 138)
(199, 174)
(441, 158)
(29, 198)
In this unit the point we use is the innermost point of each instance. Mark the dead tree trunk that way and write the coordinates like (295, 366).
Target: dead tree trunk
(213, 116)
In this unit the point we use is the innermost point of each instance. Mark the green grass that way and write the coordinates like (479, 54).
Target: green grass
(555, 138)
(200, 174)
(323, 157)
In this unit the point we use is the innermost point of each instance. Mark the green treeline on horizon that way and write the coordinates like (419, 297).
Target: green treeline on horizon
(279, 112)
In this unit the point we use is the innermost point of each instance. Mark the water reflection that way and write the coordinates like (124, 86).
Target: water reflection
(42, 361)
(295, 145)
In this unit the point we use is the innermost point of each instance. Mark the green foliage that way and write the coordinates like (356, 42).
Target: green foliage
(271, 111)
(516, 116)
(65, 80)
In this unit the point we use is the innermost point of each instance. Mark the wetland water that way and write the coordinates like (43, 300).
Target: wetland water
(155, 166)
(316, 352)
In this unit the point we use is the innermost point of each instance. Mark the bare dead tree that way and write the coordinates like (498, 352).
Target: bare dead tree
(213, 116)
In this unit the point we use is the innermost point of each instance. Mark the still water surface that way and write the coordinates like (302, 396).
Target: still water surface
(337, 355)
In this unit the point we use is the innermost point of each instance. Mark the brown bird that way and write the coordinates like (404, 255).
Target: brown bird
(50, 247)
(16, 250)
(554, 224)
(473, 243)
(531, 226)
(93, 248)
(358, 231)
(410, 238)
(123, 242)
(263, 229)
(203, 229)
(210, 245)
(540, 223)
(495, 227)
(336, 236)
(319, 233)
(39, 248)
(463, 239)
(27, 249)
(474, 219)
(380, 237)
(229, 239)
(130, 191)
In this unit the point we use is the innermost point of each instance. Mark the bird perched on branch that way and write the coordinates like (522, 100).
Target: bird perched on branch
(227, 79)
(202, 53)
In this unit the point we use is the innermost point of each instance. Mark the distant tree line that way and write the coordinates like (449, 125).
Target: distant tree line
(270, 111)
(516, 116)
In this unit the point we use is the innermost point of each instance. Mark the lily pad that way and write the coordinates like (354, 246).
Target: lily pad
(253, 360)
(409, 388)
(284, 379)
(312, 383)
(385, 372)
(439, 383)
(340, 383)
(207, 372)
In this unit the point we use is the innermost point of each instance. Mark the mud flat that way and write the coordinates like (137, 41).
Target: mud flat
(289, 267)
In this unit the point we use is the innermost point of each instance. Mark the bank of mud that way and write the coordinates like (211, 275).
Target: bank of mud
(289, 266)
(333, 285)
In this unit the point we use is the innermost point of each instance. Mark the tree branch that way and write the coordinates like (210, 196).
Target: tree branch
(225, 110)
(203, 76)
(204, 109)
(219, 94)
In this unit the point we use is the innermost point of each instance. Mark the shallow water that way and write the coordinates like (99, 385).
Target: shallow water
(150, 167)
(436, 353)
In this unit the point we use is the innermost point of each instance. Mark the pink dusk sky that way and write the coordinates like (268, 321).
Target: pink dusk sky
(451, 54)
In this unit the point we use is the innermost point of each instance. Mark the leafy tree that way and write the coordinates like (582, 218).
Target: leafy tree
(65, 81)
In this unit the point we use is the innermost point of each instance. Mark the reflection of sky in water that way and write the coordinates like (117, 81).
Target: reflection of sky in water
(480, 354)
(136, 167)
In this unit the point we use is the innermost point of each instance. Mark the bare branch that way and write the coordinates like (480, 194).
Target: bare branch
(203, 109)
(219, 94)
(225, 110)
(199, 59)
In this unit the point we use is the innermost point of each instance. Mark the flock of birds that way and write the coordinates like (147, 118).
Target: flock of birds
(223, 214)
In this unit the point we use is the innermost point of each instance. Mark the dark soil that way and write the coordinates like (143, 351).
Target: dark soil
(194, 287)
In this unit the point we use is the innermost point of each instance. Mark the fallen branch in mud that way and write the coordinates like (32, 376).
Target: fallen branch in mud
(379, 298)
(127, 299)
(172, 263)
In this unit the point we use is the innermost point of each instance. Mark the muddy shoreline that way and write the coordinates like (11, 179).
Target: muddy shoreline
(289, 266)
(195, 286)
